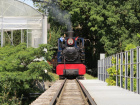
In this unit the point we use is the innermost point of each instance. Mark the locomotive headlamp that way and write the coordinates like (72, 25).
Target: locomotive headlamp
(70, 41)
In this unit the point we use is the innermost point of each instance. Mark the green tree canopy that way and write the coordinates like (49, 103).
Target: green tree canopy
(109, 24)
(19, 70)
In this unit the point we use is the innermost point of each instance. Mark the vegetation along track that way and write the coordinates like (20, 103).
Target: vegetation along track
(72, 92)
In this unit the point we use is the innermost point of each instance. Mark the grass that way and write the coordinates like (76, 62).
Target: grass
(87, 76)
(56, 77)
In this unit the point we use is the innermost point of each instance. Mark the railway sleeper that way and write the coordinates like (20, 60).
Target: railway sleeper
(72, 92)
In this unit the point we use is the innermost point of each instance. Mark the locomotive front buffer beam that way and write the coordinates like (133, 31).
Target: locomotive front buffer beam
(68, 72)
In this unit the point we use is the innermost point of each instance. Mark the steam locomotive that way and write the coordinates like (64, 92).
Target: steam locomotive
(71, 57)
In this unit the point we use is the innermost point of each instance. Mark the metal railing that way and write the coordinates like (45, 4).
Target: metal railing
(127, 66)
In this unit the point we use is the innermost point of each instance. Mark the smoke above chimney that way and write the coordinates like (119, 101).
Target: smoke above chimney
(63, 17)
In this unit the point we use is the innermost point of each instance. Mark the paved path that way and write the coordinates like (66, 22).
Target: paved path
(110, 95)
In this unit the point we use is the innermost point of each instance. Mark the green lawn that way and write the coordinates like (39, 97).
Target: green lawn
(56, 77)
(87, 76)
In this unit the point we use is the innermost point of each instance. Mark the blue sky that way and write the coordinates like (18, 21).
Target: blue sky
(29, 2)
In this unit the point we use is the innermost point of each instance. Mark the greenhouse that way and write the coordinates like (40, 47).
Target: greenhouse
(18, 18)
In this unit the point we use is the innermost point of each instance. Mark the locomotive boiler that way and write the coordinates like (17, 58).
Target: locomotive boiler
(71, 57)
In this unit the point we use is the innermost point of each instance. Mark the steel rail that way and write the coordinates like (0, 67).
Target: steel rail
(60, 96)
(89, 98)
(82, 93)
(54, 100)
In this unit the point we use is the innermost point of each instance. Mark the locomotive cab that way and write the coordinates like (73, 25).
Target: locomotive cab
(70, 57)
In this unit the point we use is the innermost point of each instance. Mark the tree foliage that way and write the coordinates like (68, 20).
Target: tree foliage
(111, 80)
(109, 24)
(19, 70)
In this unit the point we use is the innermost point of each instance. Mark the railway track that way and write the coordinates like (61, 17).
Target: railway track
(72, 92)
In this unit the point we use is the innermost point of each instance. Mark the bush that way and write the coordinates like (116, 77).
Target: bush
(19, 71)
(113, 72)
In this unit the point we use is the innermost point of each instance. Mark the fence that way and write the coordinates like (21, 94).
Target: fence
(127, 66)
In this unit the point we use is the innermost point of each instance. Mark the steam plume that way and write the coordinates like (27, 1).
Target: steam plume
(63, 17)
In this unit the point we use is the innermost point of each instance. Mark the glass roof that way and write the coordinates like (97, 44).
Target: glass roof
(16, 8)
(18, 15)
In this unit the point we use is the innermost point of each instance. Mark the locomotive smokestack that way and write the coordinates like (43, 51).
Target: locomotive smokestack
(70, 33)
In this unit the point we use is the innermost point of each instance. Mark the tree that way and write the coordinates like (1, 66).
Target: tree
(19, 71)
(109, 24)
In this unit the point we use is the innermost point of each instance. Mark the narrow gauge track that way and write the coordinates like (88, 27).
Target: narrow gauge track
(72, 92)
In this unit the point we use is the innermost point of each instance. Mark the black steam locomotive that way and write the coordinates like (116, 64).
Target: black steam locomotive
(70, 57)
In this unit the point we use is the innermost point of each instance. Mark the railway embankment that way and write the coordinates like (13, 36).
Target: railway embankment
(65, 92)
(46, 97)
